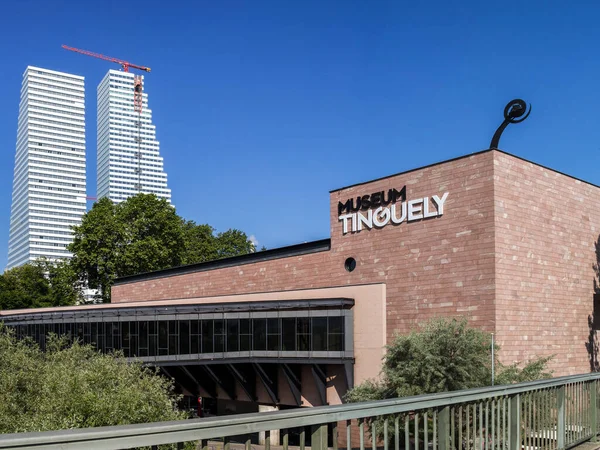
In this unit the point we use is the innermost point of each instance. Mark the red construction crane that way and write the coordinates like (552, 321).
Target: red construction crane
(124, 64)
(138, 87)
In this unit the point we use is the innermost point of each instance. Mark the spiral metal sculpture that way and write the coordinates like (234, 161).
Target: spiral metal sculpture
(514, 112)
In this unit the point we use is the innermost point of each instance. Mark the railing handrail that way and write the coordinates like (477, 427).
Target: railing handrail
(207, 428)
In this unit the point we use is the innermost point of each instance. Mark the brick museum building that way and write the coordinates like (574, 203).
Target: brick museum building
(507, 243)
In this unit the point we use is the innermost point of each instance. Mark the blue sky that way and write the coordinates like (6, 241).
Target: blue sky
(263, 107)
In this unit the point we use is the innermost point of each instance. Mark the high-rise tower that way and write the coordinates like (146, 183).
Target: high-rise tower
(129, 161)
(49, 179)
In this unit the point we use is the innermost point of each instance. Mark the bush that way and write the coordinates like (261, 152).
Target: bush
(443, 355)
(74, 386)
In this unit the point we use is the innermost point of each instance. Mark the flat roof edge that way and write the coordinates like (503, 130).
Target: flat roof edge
(260, 256)
(458, 158)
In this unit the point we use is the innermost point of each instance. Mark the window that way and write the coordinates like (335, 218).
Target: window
(303, 333)
(150, 338)
(259, 327)
(319, 334)
(273, 334)
(233, 334)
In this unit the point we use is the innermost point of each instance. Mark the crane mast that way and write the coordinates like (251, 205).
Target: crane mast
(138, 100)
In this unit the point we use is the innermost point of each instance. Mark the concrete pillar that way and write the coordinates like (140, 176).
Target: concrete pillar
(274, 433)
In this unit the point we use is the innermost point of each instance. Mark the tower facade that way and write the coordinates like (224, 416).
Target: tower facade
(49, 178)
(129, 160)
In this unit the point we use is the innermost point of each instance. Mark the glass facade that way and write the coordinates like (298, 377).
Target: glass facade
(156, 338)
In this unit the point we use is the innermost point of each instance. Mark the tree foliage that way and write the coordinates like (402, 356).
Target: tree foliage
(442, 355)
(75, 386)
(201, 243)
(37, 285)
(143, 234)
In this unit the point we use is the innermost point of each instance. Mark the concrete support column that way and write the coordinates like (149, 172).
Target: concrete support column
(274, 434)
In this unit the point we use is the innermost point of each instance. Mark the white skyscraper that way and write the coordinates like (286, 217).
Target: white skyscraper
(49, 179)
(129, 161)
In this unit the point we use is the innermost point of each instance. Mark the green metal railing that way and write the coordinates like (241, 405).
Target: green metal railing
(553, 414)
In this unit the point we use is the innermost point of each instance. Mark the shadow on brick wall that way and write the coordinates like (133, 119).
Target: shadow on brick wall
(592, 344)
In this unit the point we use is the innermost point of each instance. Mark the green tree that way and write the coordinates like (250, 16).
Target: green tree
(200, 244)
(39, 284)
(153, 237)
(442, 355)
(141, 234)
(65, 286)
(97, 247)
(24, 287)
(232, 243)
(75, 386)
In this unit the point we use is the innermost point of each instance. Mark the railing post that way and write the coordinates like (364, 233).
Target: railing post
(444, 428)
(514, 430)
(319, 437)
(560, 411)
(594, 409)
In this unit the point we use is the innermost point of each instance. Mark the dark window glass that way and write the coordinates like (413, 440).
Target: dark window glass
(207, 336)
(273, 326)
(108, 328)
(195, 343)
(194, 327)
(273, 342)
(68, 330)
(336, 324)
(319, 334)
(152, 345)
(273, 334)
(133, 339)
(79, 332)
(184, 337)
(173, 345)
(218, 324)
(100, 337)
(288, 327)
(143, 334)
(303, 325)
(260, 336)
(152, 327)
(245, 326)
(173, 328)
(163, 338)
(124, 335)
(219, 341)
(303, 333)
(232, 335)
(336, 342)
(94, 329)
(245, 342)
(303, 342)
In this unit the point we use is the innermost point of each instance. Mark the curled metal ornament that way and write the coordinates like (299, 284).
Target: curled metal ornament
(514, 112)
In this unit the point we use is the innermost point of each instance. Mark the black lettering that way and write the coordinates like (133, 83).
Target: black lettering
(385, 202)
(399, 194)
(344, 206)
(376, 199)
(372, 201)
(365, 202)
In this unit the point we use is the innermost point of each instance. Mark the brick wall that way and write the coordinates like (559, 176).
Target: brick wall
(546, 228)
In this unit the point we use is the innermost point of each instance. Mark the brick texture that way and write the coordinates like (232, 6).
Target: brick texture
(546, 225)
